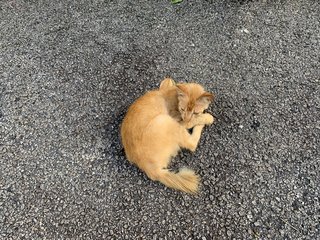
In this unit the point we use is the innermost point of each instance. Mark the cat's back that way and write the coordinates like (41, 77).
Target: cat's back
(142, 111)
(151, 103)
(139, 115)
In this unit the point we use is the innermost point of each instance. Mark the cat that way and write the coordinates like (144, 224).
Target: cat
(156, 127)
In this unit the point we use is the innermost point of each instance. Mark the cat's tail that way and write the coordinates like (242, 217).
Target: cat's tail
(185, 180)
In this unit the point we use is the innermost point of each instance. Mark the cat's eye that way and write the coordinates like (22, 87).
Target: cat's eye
(182, 109)
(196, 113)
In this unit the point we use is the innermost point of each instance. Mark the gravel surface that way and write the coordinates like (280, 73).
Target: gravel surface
(70, 69)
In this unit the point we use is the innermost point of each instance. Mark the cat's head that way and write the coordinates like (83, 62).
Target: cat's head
(193, 100)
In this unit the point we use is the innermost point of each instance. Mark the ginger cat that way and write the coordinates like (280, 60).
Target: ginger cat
(155, 128)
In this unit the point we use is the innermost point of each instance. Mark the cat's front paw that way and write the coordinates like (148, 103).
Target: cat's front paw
(208, 118)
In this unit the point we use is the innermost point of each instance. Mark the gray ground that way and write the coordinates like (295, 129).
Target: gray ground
(70, 69)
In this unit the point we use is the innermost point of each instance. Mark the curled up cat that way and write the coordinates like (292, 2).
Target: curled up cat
(156, 127)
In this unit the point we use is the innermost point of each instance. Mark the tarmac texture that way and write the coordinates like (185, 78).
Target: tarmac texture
(69, 71)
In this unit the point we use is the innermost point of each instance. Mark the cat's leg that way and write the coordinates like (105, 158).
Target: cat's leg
(202, 119)
(190, 141)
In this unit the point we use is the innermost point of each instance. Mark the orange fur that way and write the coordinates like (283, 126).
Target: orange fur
(155, 128)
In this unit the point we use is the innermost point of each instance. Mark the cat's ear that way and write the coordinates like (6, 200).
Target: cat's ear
(166, 83)
(181, 90)
(205, 99)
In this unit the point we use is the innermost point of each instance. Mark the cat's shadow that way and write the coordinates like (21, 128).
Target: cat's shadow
(111, 136)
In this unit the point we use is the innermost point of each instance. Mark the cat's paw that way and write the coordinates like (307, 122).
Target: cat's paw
(189, 125)
(208, 118)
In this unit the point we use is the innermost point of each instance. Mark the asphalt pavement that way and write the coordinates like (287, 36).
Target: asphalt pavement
(70, 69)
